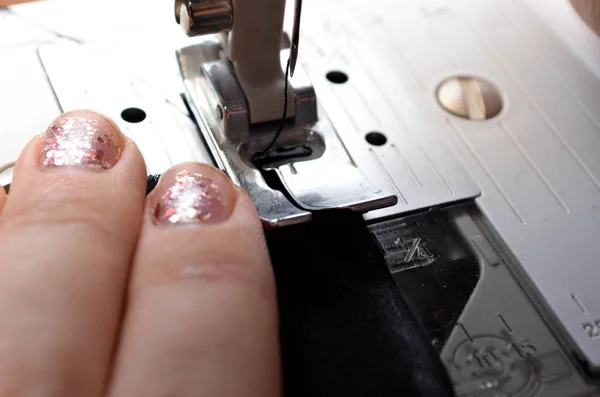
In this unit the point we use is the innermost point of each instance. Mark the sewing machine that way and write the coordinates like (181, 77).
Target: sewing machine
(467, 132)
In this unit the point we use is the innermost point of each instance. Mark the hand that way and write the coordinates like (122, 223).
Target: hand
(106, 293)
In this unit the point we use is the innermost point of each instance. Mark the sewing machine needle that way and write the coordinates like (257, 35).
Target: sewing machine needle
(295, 36)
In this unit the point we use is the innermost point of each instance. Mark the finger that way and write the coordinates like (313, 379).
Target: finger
(589, 11)
(67, 238)
(202, 318)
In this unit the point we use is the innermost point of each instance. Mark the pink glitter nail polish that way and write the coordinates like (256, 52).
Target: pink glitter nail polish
(84, 140)
(194, 198)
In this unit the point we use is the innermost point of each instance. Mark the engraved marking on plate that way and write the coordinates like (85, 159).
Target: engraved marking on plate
(579, 303)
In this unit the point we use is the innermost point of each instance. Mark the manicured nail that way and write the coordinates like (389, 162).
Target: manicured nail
(82, 139)
(193, 194)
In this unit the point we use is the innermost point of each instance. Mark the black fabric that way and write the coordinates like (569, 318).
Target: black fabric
(151, 183)
(345, 329)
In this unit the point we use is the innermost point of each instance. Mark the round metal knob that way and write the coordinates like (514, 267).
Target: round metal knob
(470, 98)
(200, 17)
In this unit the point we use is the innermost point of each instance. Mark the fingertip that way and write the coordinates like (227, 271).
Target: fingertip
(133, 167)
(130, 166)
(104, 121)
(200, 272)
(58, 146)
(69, 233)
(192, 193)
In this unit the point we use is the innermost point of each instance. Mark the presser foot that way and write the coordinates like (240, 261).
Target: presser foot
(307, 169)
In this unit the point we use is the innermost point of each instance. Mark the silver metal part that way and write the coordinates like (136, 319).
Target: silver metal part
(276, 209)
(227, 98)
(211, 84)
(200, 17)
(254, 47)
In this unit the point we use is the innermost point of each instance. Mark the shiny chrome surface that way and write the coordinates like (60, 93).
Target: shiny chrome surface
(200, 17)
(227, 99)
(276, 209)
(211, 84)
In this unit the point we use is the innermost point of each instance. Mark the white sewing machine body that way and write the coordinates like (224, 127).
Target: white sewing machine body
(516, 308)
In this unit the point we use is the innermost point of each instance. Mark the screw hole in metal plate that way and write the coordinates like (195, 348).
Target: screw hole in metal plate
(337, 77)
(133, 115)
(376, 138)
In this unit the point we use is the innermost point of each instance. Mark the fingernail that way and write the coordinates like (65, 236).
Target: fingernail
(193, 194)
(81, 139)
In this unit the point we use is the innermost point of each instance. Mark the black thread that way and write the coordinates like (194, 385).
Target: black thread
(282, 124)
